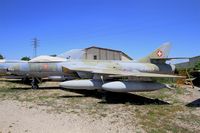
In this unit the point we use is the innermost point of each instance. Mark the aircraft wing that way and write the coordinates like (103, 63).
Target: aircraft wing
(120, 73)
(147, 75)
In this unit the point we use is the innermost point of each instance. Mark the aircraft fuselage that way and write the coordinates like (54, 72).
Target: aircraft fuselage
(42, 69)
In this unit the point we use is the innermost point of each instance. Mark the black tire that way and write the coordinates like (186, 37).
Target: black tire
(34, 87)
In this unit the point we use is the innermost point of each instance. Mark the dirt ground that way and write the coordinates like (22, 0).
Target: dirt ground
(51, 109)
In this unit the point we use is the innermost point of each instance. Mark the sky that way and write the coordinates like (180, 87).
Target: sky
(135, 27)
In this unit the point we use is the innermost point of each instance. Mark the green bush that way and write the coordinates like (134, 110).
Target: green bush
(26, 58)
(1, 56)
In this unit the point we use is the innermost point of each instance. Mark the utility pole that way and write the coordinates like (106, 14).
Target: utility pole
(35, 46)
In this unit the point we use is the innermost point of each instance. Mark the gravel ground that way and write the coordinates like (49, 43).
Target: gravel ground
(50, 109)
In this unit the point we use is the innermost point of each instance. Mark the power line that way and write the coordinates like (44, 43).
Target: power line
(35, 46)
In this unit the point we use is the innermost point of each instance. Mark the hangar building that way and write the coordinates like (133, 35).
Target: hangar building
(97, 53)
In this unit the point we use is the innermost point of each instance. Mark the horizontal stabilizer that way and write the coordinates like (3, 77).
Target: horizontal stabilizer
(175, 58)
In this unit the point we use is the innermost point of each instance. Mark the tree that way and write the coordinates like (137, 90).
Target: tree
(25, 58)
(1, 56)
(197, 66)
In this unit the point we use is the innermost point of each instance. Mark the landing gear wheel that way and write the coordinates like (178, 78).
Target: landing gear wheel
(34, 87)
(34, 84)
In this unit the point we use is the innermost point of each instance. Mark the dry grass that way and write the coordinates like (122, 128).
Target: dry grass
(159, 111)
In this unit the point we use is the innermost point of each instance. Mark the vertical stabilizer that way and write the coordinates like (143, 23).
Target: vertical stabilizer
(159, 53)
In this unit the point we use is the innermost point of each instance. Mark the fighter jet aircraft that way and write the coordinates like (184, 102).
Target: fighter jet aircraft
(16, 69)
(105, 75)
(71, 54)
(140, 74)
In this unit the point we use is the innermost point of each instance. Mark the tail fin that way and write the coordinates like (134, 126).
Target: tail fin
(159, 53)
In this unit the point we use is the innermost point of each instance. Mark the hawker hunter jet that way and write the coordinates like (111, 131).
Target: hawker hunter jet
(120, 76)
(112, 75)
(17, 69)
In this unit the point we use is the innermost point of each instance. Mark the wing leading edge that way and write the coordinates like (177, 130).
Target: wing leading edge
(120, 73)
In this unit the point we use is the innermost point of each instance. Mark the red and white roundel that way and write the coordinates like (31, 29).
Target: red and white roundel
(45, 66)
(159, 53)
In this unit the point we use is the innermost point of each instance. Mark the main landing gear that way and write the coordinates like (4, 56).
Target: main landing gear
(34, 83)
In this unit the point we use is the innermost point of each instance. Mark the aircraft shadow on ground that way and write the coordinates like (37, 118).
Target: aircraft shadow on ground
(110, 97)
(195, 103)
(41, 88)
(12, 81)
(116, 98)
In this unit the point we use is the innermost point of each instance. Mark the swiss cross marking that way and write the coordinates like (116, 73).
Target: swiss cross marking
(159, 53)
